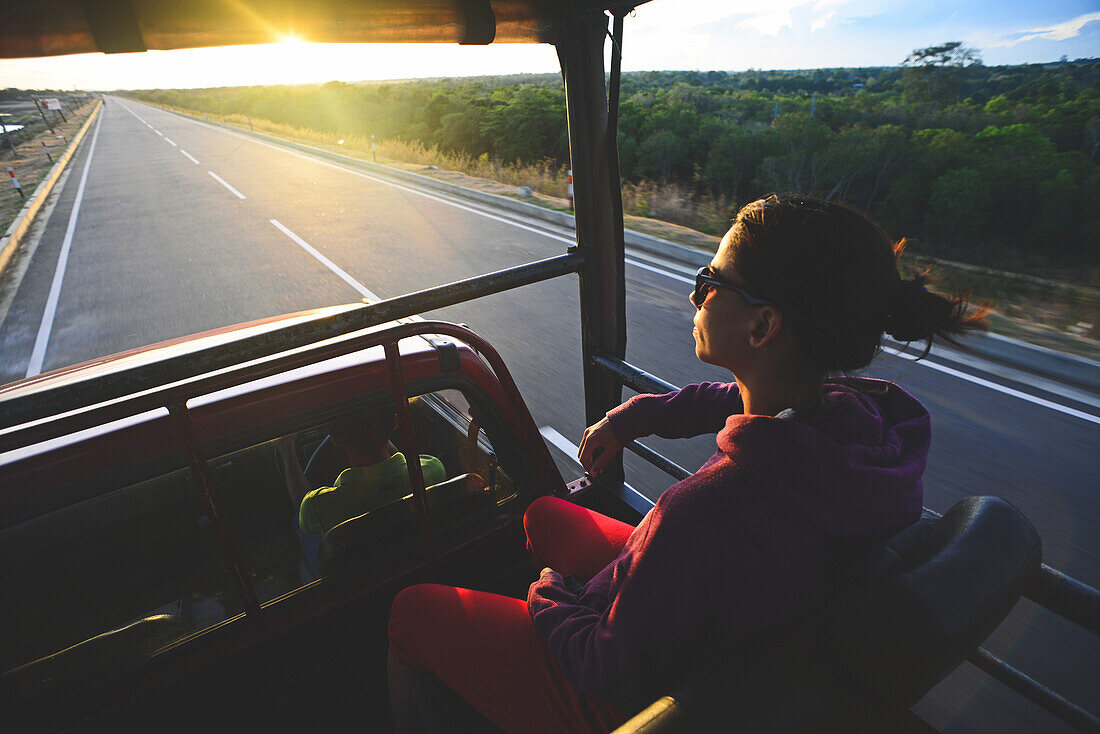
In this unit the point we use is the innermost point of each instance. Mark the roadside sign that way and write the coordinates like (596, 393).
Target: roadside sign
(51, 104)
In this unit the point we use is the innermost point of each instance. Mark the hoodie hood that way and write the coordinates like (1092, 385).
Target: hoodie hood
(854, 469)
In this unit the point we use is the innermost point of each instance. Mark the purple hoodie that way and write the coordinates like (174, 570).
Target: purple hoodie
(782, 511)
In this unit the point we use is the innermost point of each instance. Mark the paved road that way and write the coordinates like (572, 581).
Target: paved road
(184, 226)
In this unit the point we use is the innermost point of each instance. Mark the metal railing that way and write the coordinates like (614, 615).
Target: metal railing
(1051, 589)
(29, 414)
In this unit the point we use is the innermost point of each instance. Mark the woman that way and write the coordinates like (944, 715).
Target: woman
(810, 472)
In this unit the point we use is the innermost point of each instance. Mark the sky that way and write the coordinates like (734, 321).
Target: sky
(727, 35)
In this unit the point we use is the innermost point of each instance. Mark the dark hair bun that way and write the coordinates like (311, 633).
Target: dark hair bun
(833, 273)
(920, 314)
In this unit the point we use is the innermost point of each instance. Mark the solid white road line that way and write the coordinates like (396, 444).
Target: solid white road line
(222, 181)
(189, 156)
(561, 443)
(38, 354)
(363, 290)
(18, 266)
(1005, 390)
(660, 271)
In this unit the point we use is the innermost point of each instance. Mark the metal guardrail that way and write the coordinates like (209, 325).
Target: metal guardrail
(1051, 589)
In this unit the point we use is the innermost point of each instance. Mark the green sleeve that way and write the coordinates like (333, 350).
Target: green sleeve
(433, 470)
(308, 521)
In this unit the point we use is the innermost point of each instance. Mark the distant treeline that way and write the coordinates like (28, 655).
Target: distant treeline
(991, 164)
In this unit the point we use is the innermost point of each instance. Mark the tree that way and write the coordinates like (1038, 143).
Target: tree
(936, 73)
(952, 53)
(860, 162)
(958, 209)
(734, 154)
(530, 126)
(659, 152)
(800, 165)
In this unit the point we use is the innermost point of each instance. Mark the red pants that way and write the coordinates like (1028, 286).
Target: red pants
(485, 647)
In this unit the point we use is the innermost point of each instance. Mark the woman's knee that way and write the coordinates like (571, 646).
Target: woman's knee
(542, 514)
(412, 620)
(543, 524)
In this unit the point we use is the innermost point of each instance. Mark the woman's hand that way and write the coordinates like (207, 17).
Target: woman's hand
(598, 445)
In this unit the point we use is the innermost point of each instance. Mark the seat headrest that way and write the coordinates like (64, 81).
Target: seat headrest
(953, 581)
(397, 521)
(938, 589)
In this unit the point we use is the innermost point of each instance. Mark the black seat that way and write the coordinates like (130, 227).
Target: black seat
(940, 587)
(374, 533)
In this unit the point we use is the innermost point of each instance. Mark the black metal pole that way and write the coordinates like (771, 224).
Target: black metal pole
(598, 208)
(4, 134)
(38, 106)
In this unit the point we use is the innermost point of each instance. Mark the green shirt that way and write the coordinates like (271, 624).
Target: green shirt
(361, 489)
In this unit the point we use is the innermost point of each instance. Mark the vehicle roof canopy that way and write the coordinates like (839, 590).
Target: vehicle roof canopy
(55, 27)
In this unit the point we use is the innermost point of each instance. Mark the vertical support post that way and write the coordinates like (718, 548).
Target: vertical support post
(15, 182)
(598, 208)
(4, 134)
(38, 106)
(408, 439)
(200, 470)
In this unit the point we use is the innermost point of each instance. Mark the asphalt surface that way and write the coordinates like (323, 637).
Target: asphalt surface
(175, 235)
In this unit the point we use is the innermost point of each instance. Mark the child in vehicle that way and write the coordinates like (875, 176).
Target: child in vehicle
(377, 473)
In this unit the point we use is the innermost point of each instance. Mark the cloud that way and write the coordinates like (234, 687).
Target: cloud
(781, 14)
(764, 19)
(822, 22)
(1059, 32)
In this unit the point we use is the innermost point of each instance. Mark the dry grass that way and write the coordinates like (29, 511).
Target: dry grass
(674, 203)
(30, 163)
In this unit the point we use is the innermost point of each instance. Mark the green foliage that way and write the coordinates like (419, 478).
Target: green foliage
(958, 208)
(965, 159)
(936, 74)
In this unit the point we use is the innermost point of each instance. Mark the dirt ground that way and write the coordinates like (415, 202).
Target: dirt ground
(30, 161)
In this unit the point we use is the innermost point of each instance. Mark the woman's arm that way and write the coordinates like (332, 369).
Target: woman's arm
(690, 411)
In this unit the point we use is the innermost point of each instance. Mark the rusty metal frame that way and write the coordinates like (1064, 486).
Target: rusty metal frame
(174, 398)
(408, 437)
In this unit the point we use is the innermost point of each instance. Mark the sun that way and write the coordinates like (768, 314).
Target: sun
(292, 42)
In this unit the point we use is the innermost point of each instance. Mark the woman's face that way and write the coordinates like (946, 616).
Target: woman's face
(723, 320)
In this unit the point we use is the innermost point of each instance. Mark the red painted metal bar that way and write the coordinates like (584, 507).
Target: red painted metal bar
(222, 527)
(408, 438)
(180, 392)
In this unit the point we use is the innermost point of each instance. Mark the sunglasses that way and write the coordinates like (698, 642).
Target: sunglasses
(705, 280)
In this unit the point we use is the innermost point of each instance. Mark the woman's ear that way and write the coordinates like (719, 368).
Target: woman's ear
(766, 326)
